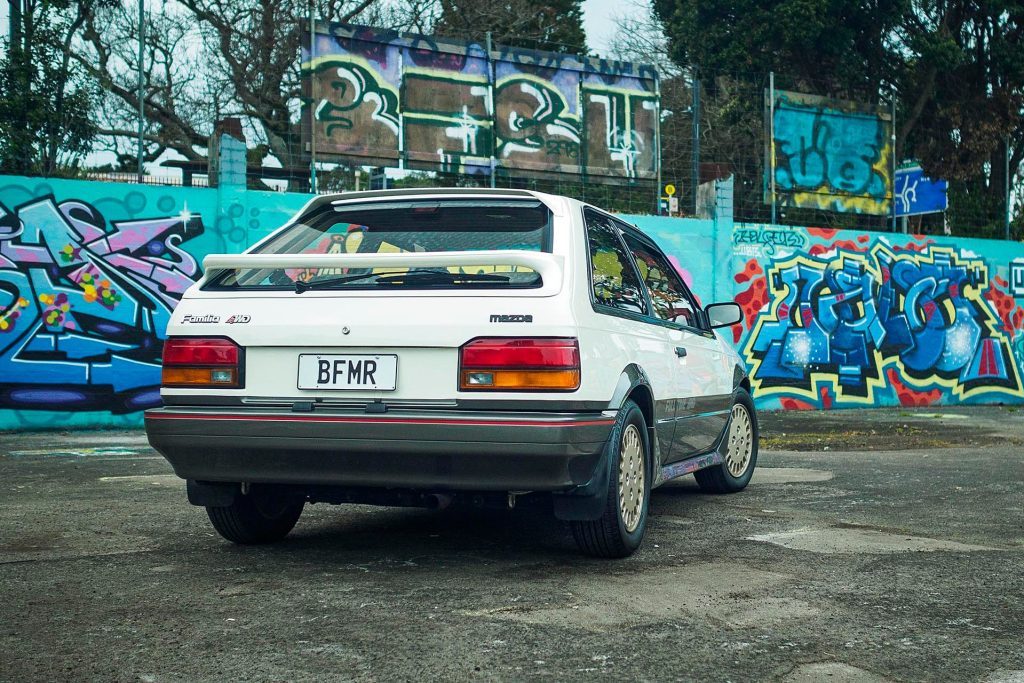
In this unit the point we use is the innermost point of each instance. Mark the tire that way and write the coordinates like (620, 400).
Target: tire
(258, 517)
(620, 528)
(734, 473)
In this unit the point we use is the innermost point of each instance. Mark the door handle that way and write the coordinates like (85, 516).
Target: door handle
(681, 352)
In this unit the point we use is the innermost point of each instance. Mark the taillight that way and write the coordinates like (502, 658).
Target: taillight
(198, 362)
(514, 364)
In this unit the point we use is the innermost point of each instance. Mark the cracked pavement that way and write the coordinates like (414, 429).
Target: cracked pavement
(841, 561)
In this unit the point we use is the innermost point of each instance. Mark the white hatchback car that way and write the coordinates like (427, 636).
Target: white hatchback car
(411, 347)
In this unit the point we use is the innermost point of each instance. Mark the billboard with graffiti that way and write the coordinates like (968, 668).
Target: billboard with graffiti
(829, 154)
(838, 319)
(391, 99)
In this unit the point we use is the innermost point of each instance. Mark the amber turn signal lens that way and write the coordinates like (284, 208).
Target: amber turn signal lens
(516, 380)
(226, 378)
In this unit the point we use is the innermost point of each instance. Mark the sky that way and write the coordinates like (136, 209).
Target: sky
(599, 21)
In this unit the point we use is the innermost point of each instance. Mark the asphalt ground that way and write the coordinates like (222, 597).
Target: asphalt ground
(870, 545)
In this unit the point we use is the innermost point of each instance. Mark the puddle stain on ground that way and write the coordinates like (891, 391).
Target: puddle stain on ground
(855, 541)
(788, 475)
(155, 479)
(831, 671)
(730, 593)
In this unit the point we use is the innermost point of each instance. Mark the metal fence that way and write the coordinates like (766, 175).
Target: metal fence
(761, 129)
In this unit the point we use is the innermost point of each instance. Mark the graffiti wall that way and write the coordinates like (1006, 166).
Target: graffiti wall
(830, 154)
(844, 319)
(391, 99)
(90, 272)
(89, 275)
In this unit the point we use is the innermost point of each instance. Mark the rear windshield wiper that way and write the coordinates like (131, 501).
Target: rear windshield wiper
(398, 278)
(439, 277)
(303, 286)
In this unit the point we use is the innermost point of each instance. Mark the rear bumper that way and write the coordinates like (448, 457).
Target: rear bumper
(434, 450)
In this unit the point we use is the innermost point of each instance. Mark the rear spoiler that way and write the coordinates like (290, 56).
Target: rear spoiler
(547, 265)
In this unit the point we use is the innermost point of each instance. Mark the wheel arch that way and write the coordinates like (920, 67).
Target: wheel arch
(633, 383)
(740, 378)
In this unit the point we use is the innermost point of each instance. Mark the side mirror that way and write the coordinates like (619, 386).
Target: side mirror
(723, 314)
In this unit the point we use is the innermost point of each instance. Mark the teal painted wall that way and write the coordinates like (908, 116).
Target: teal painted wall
(90, 272)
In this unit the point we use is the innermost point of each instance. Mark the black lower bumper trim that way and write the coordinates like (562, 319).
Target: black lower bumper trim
(435, 450)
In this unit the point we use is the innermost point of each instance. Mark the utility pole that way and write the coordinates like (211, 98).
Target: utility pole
(142, 56)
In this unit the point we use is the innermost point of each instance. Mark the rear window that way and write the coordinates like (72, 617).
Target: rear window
(403, 226)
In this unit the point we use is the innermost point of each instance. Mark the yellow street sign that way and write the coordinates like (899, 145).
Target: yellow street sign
(670, 189)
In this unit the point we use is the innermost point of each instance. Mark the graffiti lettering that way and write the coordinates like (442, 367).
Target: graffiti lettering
(1017, 278)
(534, 117)
(841, 323)
(83, 305)
(770, 238)
(831, 157)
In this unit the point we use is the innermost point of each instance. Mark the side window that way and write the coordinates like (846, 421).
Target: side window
(613, 278)
(670, 300)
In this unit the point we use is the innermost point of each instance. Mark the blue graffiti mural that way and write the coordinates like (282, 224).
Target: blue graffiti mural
(828, 157)
(840, 322)
(84, 304)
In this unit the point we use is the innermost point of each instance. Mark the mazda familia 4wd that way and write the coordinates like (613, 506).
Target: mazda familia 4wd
(411, 347)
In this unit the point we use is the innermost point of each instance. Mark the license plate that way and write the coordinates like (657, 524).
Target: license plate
(348, 372)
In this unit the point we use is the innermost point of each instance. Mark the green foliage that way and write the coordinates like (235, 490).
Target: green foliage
(47, 123)
(957, 68)
(834, 44)
(552, 25)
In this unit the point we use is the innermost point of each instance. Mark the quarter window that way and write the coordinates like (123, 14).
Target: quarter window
(669, 299)
(612, 276)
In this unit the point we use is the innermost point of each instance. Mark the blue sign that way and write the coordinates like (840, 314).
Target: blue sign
(916, 194)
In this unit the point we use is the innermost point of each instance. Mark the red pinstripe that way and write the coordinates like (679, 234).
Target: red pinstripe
(375, 420)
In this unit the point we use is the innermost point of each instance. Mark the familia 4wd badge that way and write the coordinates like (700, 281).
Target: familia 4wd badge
(214, 319)
(201, 319)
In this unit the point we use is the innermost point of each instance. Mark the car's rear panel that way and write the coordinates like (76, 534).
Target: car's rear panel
(425, 332)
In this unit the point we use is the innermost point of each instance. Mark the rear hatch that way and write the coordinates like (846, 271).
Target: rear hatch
(358, 302)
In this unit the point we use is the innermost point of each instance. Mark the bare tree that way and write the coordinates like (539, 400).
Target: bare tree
(208, 59)
(640, 37)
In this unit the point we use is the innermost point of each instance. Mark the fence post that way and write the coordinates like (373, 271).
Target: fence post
(312, 98)
(1006, 181)
(491, 76)
(142, 56)
(771, 139)
(892, 143)
(657, 143)
(695, 90)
